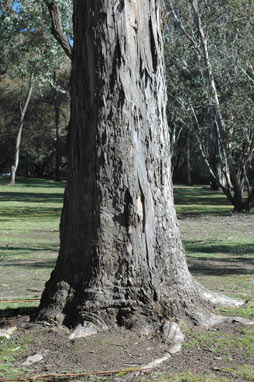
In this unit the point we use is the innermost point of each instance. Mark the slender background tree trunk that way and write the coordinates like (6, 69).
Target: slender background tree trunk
(58, 146)
(188, 163)
(23, 110)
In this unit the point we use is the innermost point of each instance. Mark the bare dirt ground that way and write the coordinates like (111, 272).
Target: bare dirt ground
(121, 349)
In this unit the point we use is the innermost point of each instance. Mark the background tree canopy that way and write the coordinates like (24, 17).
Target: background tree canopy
(28, 50)
(210, 79)
(210, 88)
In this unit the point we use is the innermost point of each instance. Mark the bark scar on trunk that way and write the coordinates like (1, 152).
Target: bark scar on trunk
(120, 6)
(141, 212)
(153, 46)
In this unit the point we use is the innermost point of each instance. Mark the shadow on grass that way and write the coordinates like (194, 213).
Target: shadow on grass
(235, 249)
(18, 251)
(34, 182)
(194, 214)
(33, 264)
(199, 196)
(32, 212)
(15, 312)
(31, 197)
(198, 269)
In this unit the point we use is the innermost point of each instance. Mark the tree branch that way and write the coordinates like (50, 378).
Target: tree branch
(181, 27)
(56, 27)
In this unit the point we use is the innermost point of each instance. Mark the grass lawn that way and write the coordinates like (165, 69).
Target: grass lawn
(219, 246)
(29, 234)
(220, 254)
(200, 200)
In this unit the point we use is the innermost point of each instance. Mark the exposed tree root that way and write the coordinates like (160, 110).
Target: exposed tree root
(216, 298)
(208, 319)
(92, 324)
(211, 320)
(85, 330)
(150, 366)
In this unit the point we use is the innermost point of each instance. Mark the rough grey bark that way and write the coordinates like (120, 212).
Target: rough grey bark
(121, 260)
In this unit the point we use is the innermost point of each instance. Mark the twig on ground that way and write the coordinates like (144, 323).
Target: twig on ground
(21, 300)
(50, 377)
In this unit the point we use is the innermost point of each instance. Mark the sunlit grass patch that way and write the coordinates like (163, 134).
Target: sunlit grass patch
(246, 372)
(10, 351)
(29, 217)
(200, 200)
(29, 234)
(189, 376)
(246, 311)
(223, 344)
(32, 302)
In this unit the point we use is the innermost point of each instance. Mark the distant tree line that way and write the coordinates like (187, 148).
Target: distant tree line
(210, 72)
(34, 86)
(210, 78)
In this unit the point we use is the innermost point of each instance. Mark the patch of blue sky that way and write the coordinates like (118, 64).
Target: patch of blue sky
(70, 40)
(17, 6)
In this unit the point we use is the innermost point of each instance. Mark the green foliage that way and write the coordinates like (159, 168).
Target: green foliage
(228, 27)
(39, 144)
(29, 50)
(26, 41)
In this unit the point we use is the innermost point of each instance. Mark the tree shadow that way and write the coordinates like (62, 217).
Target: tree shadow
(199, 196)
(51, 248)
(31, 212)
(34, 182)
(31, 197)
(199, 269)
(217, 266)
(234, 249)
(16, 312)
(31, 264)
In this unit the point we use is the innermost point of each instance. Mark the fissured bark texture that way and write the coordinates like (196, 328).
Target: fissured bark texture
(121, 254)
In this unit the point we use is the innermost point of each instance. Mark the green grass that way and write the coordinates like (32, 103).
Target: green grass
(200, 200)
(246, 372)
(219, 255)
(246, 311)
(29, 235)
(12, 350)
(224, 345)
(188, 376)
(219, 246)
(29, 217)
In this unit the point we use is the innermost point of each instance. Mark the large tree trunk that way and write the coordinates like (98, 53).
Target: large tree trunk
(121, 259)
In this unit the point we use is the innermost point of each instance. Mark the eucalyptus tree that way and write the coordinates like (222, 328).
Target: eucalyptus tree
(213, 87)
(30, 52)
(121, 260)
